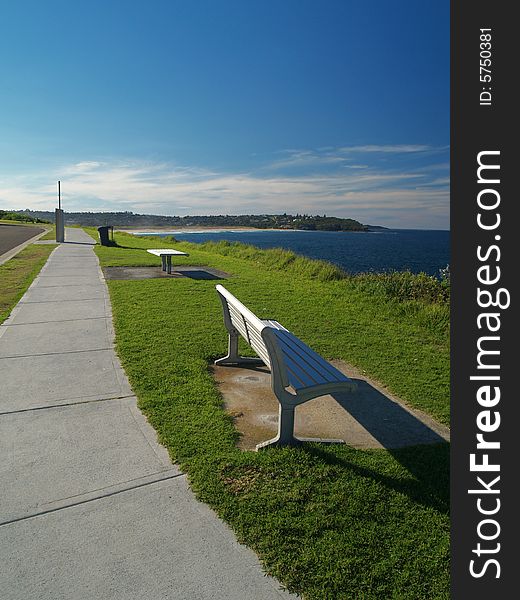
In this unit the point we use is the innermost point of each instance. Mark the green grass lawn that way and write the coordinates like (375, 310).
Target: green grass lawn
(23, 223)
(50, 235)
(26, 224)
(328, 521)
(17, 274)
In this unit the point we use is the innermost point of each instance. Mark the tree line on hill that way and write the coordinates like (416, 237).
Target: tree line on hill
(21, 217)
(130, 219)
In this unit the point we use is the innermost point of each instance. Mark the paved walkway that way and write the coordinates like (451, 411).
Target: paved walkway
(90, 505)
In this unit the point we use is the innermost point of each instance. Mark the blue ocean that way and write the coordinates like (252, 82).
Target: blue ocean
(415, 250)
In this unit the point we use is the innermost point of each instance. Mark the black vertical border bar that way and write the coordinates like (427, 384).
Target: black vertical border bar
(476, 128)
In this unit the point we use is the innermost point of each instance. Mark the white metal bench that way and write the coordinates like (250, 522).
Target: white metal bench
(166, 257)
(298, 374)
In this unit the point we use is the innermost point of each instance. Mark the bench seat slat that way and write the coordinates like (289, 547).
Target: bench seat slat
(299, 373)
(317, 370)
(331, 371)
(316, 366)
(298, 377)
(322, 364)
(274, 324)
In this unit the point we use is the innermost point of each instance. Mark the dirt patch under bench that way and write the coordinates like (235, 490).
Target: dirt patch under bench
(369, 418)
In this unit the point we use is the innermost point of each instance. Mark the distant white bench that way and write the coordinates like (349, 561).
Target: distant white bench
(166, 257)
(298, 374)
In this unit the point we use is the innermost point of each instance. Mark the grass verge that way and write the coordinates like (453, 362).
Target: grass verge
(17, 274)
(329, 522)
(50, 235)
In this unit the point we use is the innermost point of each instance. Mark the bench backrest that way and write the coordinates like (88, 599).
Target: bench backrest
(239, 317)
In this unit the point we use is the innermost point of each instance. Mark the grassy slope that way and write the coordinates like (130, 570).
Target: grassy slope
(22, 223)
(330, 522)
(17, 274)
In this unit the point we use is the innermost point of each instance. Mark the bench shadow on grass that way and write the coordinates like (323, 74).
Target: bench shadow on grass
(428, 465)
(413, 444)
(386, 420)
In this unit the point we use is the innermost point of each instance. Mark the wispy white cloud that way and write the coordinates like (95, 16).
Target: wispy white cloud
(305, 158)
(393, 197)
(329, 156)
(386, 149)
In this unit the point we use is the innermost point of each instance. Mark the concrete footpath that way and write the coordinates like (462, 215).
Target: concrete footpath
(91, 507)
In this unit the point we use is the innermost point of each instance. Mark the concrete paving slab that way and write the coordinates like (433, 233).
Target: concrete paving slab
(74, 234)
(81, 266)
(79, 249)
(83, 243)
(58, 259)
(76, 247)
(36, 381)
(45, 312)
(79, 241)
(68, 292)
(62, 255)
(51, 338)
(59, 281)
(155, 542)
(72, 450)
(80, 263)
(70, 246)
(83, 252)
(72, 271)
(69, 268)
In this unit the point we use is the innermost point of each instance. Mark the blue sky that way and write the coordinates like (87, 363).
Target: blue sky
(230, 106)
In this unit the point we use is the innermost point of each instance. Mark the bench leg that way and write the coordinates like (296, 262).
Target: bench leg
(285, 435)
(233, 358)
(163, 260)
(286, 426)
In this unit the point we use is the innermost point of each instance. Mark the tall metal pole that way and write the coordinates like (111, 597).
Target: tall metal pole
(59, 195)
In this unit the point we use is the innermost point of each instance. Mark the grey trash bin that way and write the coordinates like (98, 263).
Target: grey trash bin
(103, 235)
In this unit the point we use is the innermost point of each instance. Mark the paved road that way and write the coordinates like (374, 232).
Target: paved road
(90, 504)
(14, 235)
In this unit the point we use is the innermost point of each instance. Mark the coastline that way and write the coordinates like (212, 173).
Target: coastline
(199, 229)
(213, 229)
